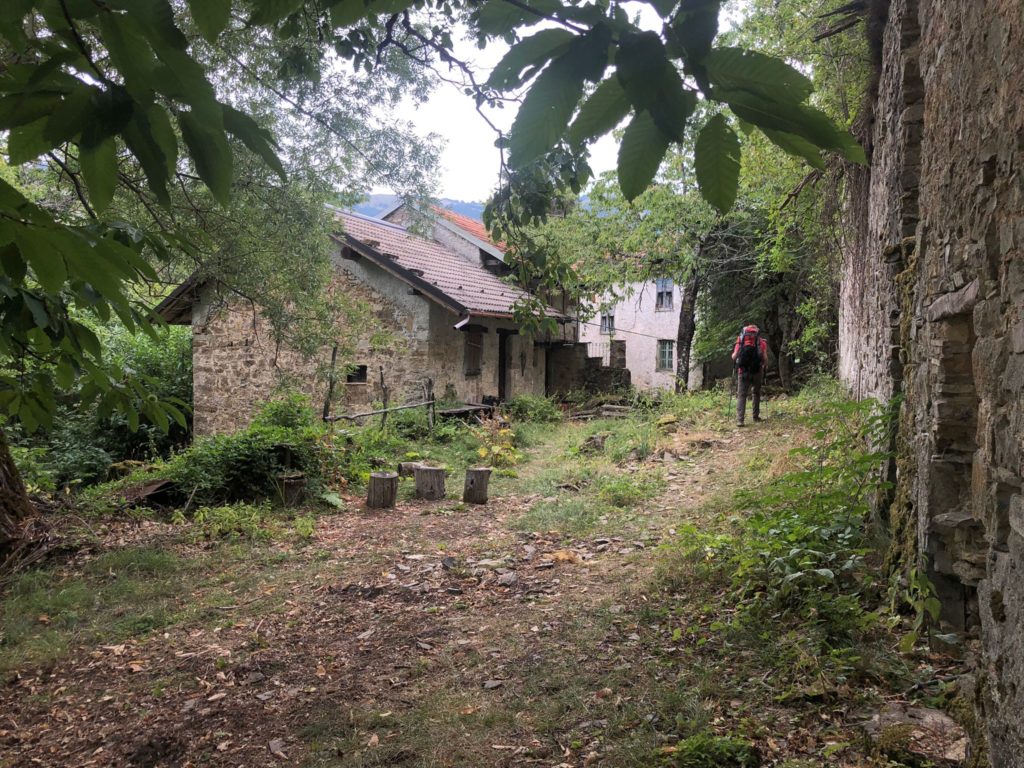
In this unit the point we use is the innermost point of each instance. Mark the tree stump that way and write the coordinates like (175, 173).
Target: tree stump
(407, 468)
(382, 491)
(429, 482)
(475, 490)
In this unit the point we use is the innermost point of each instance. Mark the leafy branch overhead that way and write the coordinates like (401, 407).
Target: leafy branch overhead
(659, 78)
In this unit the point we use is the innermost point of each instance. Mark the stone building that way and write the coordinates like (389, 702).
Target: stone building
(932, 308)
(449, 317)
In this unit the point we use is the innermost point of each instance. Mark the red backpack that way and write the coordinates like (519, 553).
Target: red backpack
(749, 358)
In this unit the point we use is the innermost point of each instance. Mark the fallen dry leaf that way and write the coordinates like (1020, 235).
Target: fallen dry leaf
(562, 556)
(277, 749)
(374, 741)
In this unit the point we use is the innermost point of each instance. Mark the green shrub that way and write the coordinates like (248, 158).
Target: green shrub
(245, 465)
(290, 411)
(35, 469)
(232, 521)
(533, 408)
(86, 441)
(629, 490)
(631, 439)
(412, 425)
(76, 453)
(799, 544)
(705, 750)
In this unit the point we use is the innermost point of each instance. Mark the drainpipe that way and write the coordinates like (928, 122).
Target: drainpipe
(462, 322)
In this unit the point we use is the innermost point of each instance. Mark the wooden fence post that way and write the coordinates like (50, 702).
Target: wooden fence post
(330, 383)
(382, 490)
(475, 490)
(429, 482)
(430, 404)
(385, 397)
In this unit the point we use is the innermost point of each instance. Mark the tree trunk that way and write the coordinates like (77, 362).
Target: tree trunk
(785, 366)
(15, 505)
(687, 327)
(475, 490)
(429, 483)
(382, 490)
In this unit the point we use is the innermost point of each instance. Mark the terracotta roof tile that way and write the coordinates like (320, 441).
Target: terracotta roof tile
(470, 285)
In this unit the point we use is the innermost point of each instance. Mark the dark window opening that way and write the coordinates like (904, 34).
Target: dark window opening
(663, 295)
(357, 375)
(474, 352)
(607, 322)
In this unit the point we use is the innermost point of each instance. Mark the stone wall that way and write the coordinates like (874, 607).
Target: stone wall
(934, 268)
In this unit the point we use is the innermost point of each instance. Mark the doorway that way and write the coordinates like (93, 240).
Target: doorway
(503, 357)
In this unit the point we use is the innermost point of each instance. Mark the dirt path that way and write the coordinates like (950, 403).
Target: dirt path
(432, 635)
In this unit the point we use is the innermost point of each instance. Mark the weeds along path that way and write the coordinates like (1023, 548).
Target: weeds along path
(530, 631)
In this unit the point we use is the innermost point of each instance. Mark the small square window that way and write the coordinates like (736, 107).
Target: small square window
(666, 355)
(608, 322)
(474, 352)
(663, 293)
(357, 375)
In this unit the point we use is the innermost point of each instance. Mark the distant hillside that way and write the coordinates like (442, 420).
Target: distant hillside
(374, 205)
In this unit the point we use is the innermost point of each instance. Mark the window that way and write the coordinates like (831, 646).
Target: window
(608, 322)
(663, 295)
(357, 375)
(666, 355)
(474, 352)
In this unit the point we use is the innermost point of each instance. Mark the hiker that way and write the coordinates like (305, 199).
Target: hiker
(750, 355)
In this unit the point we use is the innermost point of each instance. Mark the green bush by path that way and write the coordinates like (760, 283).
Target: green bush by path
(532, 408)
(705, 750)
(86, 441)
(287, 439)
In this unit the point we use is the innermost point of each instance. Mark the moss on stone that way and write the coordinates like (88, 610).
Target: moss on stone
(902, 552)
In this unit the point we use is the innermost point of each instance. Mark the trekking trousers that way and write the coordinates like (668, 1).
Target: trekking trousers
(746, 382)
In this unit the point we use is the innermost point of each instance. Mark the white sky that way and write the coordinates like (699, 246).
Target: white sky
(469, 161)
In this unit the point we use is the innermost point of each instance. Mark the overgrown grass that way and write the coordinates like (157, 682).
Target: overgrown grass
(794, 552)
(286, 439)
(123, 594)
(119, 594)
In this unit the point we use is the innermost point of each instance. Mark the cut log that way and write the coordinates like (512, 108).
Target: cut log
(429, 482)
(475, 490)
(382, 490)
(407, 468)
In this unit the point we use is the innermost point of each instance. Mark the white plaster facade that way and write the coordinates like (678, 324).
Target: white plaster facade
(641, 324)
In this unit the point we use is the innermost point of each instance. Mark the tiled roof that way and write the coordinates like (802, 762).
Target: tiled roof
(472, 226)
(467, 285)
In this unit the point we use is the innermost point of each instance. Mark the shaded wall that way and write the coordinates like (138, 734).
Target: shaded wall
(932, 307)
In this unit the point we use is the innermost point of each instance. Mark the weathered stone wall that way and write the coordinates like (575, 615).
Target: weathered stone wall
(951, 290)
(881, 214)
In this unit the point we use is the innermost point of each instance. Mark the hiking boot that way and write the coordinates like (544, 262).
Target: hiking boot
(758, 418)
(739, 423)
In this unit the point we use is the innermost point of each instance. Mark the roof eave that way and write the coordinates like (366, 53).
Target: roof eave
(173, 308)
